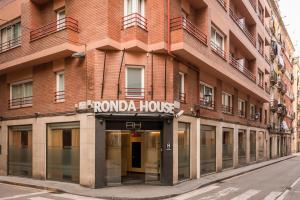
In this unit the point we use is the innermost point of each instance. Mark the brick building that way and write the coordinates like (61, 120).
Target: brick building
(106, 92)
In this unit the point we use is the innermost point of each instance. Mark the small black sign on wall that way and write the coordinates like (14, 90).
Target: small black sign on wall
(0, 149)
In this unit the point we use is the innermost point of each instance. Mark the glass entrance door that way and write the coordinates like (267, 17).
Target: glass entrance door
(132, 157)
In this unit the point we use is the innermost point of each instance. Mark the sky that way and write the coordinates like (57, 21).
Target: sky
(290, 11)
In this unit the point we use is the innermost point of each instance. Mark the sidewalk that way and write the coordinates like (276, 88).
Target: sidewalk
(138, 191)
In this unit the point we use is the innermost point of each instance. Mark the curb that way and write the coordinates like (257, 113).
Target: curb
(55, 190)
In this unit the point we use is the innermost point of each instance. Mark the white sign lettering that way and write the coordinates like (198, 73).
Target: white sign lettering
(131, 106)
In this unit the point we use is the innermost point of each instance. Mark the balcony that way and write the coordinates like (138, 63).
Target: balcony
(16, 42)
(20, 102)
(59, 96)
(227, 109)
(134, 93)
(261, 84)
(273, 105)
(182, 97)
(223, 4)
(281, 111)
(56, 26)
(218, 50)
(267, 89)
(134, 20)
(252, 3)
(245, 71)
(242, 26)
(181, 23)
(273, 78)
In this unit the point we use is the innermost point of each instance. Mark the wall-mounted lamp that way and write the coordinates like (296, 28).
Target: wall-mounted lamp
(78, 55)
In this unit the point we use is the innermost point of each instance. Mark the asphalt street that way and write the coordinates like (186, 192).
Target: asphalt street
(279, 181)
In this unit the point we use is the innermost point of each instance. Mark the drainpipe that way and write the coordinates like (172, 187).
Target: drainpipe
(169, 27)
(118, 95)
(103, 75)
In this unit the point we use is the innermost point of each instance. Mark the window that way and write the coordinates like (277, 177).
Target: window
(134, 82)
(217, 39)
(260, 45)
(226, 102)
(260, 79)
(181, 88)
(60, 87)
(252, 112)
(206, 95)
(21, 94)
(242, 108)
(260, 12)
(10, 36)
(61, 19)
(134, 13)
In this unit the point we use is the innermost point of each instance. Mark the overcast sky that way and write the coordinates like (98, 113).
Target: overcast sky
(290, 10)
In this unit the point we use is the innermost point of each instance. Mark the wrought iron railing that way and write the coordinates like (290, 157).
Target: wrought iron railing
(183, 23)
(53, 27)
(244, 70)
(242, 26)
(59, 96)
(20, 102)
(182, 97)
(134, 19)
(134, 92)
(227, 109)
(204, 103)
(223, 4)
(218, 50)
(5, 46)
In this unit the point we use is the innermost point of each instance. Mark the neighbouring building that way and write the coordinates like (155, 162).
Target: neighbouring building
(110, 92)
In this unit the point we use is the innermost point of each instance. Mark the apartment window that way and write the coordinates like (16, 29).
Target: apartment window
(260, 78)
(135, 81)
(242, 108)
(260, 45)
(260, 12)
(206, 95)
(10, 36)
(217, 39)
(60, 87)
(181, 87)
(21, 94)
(61, 19)
(252, 111)
(134, 6)
(227, 102)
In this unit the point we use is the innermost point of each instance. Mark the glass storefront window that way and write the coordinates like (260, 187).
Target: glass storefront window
(183, 151)
(227, 148)
(242, 147)
(207, 149)
(261, 142)
(20, 151)
(252, 146)
(63, 152)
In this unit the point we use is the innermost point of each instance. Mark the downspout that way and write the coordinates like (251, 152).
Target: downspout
(169, 27)
(103, 75)
(118, 95)
(166, 77)
(152, 76)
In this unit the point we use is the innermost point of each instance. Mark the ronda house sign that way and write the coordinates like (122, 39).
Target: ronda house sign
(134, 106)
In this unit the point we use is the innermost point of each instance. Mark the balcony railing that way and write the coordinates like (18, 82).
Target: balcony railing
(218, 50)
(267, 89)
(242, 27)
(204, 103)
(5, 46)
(242, 69)
(260, 84)
(223, 4)
(20, 102)
(134, 19)
(252, 4)
(226, 109)
(241, 113)
(182, 97)
(62, 24)
(183, 23)
(59, 96)
(134, 92)
(273, 105)
(273, 78)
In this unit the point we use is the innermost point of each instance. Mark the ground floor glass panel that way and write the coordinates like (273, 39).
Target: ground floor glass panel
(227, 148)
(207, 149)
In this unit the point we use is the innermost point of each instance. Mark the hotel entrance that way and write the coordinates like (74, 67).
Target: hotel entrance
(133, 156)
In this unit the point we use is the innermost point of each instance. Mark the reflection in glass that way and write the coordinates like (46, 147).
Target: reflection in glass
(227, 148)
(252, 146)
(63, 152)
(207, 149)
(20, 151)
(242, 147)
(261, 141)
(183, 151)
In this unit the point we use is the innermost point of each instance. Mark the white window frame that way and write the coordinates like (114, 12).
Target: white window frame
(62, 99)
(135, 7)
(231, 101)
(260, 77)
(14, 41)
(138, 6)
(142, 79)
(252, 114)
(212, 95)
(214, 38)
(10, 93)
(244, 107)
(61, 24)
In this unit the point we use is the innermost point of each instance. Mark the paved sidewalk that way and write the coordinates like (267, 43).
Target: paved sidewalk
(138, 191)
